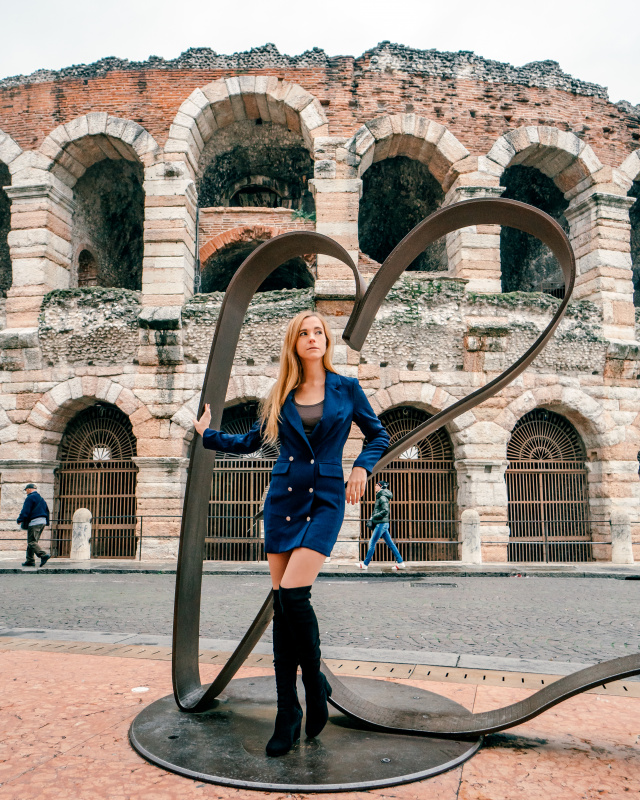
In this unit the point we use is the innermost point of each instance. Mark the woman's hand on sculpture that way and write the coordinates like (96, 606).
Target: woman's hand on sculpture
(203, 423)
(356, 484)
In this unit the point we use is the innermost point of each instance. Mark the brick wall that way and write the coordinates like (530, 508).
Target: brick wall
(214, 221)
(477, 99)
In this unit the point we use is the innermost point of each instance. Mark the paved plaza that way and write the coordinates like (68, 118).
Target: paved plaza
(580, 620)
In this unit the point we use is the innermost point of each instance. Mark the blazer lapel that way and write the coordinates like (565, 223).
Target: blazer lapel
(330, 407)
(290, 414)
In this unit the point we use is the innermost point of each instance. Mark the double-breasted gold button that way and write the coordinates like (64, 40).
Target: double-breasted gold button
(310, 490)
(312, 461)
(290, 458)
(288, 519)
(308, 519)
(290, 489)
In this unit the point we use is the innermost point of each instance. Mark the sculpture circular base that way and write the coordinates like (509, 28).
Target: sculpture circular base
(227, 744)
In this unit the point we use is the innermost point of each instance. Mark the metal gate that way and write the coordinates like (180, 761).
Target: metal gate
(547, 489)
(423, 482)
(238, 487)
(97, 472)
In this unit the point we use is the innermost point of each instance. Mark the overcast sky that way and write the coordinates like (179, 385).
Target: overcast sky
(594, 41)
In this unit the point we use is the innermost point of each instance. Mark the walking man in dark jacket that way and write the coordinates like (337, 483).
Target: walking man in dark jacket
(379, 522)
(33, 517)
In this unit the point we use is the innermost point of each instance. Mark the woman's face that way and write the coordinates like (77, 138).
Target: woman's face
(312, 342)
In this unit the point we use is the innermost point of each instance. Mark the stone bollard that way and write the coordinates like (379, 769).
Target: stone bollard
(621, 549)
(81, 535)
(470, 537)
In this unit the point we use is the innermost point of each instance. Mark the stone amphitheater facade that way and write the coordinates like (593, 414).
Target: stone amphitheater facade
(187, 145)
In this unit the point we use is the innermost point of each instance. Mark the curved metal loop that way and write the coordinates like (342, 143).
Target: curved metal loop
(187, 687)
(189, 693)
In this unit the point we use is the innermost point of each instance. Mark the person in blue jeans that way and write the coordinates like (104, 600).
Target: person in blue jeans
(379, 522)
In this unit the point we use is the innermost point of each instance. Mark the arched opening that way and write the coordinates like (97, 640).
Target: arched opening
(527, 265)
(5, 227)
(423, 482)
(87, 269)
(547, 490)
(258, 164)
(397, 194)
(634, 218)
(238, 488)
(97, 471)
(218, 270)
(109, 217)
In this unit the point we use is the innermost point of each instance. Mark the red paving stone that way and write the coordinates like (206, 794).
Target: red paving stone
(64, 720)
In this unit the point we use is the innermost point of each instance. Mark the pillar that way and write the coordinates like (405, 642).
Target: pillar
(470, 546)
(600, 234)
(482, 488)
(160, 490)
(474, 252)
(40, 246)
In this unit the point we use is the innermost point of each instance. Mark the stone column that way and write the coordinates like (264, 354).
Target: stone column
(81, 535)
(600, 233)
(474, 252)
(621, 548)
(337, 205)
(470, 546)
(14, 475)
(168, 265)
(40, 246)
(169, 235)
(159, 491)
(482, 488)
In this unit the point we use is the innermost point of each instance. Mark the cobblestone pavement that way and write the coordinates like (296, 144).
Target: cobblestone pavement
(575, 619)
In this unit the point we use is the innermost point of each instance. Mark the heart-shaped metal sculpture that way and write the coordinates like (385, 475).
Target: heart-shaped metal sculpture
(190, 694)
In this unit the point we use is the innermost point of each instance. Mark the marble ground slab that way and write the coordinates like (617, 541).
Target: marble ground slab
(64, 720)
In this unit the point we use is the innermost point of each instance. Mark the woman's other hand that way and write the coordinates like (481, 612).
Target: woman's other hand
(203, 423)
(356, 484)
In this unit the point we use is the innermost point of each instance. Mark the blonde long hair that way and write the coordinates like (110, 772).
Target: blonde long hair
(291, 374)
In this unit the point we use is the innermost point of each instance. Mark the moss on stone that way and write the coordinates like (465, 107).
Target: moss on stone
(93, 296)
(204, 309)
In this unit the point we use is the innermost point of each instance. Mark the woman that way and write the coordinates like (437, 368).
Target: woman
(309, 409)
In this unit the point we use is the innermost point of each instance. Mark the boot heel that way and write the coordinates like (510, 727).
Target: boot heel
(286, 733)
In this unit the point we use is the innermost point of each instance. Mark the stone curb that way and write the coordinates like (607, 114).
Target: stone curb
(372, 655)
(623, 572)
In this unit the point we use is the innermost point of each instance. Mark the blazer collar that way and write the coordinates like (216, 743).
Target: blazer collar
(329, 410)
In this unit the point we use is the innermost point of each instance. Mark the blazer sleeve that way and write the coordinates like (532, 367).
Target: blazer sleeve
(375, 434)
(239, 443)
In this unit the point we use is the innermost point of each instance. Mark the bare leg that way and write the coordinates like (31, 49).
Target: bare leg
(277, 565)
(302, 568)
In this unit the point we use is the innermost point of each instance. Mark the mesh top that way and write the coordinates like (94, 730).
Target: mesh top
(310, 415)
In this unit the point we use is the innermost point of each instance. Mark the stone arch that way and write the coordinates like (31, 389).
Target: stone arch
(631, 166)
(242, 233)
(79, 144)
(57, 406)
(410, 135)
(630, 171)
(9, 148)
(230, 100)
(412, 156)
(294, 271)
(427, 397)
(583, 412)
(560, 155)
(241, 389)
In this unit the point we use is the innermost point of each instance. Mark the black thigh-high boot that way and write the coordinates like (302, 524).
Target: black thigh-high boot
(303, 624)
(285, 661)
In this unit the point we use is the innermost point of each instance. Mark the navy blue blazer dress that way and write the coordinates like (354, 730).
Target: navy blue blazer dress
(304, 506)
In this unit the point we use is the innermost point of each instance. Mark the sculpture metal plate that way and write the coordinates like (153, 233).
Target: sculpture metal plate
(189, 693)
